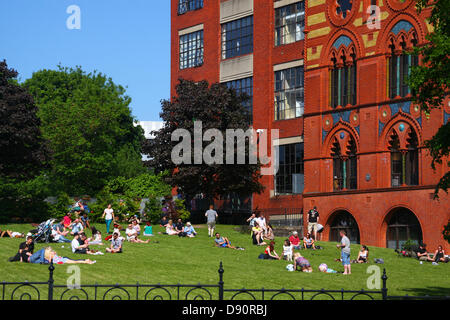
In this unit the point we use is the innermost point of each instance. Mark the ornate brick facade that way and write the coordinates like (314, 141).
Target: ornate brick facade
(339, 38)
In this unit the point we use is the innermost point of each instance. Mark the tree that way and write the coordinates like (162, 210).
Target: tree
(88, 124)
(431, 80)
(23, 152)
(217, 107)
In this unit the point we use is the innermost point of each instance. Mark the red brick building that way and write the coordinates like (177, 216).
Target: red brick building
(330, 76)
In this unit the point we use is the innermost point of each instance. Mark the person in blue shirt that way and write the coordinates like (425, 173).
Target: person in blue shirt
(190, 231)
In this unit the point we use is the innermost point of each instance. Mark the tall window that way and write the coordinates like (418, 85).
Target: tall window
(399, 65)
(244, 86)
(343, 82)
(189, 5)
(237, 37)
(289, 177)
(404, 163)
(289, 23)
(191, 50)
(289, 93)
(344, 166)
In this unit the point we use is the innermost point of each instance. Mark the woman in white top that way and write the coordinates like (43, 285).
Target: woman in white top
(363, 255)
(108, 214)
(132, 235)
(170, 228)
(288, 250)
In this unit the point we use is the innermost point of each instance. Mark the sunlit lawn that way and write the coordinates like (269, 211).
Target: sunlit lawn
(171, 260)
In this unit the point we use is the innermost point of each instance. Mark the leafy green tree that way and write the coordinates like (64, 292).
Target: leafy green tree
(431, 80)
(218, 108)
(88, 124)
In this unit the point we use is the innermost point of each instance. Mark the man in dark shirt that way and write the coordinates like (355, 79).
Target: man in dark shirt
(422, 253)
(313, 220)
(180, 227)
(25, 251)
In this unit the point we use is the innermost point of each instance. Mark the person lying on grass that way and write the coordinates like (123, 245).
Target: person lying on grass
(132, 235)
(301, 263)
(270, 252)
(223, 242)
(47, 255)
(116, 244)
(11, 234)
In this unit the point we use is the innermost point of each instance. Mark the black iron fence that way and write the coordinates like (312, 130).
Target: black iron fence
(49, 290)
(283, 217)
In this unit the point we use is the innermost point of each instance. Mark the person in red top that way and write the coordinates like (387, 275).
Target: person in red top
(295, 240)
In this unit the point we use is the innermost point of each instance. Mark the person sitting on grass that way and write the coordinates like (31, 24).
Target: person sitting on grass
(295, 240)
(136, 226)
(67, 221)
(257, 233)
(301, 263)
(96, 237)
(308, 242)
(117, 228)
(270, 252)
(170, 228)
(179, 226)
(85, 220)
(363, 255)
(439, 255)
(163, 223)
(116, 244)
(132, 235)
(269, 233)
(148, 229)
(422, 253)
(58, 236)
(189, 229)
(222, 242)
(60, 228)
(288, 250)
(76, 227)
(79, 245)
(25, 251)
(11, 234)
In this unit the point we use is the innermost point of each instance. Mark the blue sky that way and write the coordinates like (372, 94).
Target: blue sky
(128, 40)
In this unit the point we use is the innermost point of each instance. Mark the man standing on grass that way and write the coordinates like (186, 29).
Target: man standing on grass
(345, 252)
(313, 220)
(211, 216)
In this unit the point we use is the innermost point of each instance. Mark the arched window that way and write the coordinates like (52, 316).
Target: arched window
(399, 68)
(404, 162)
(344, 166)
(343, 80)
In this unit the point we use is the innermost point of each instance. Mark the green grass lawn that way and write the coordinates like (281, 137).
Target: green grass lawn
(190, 261)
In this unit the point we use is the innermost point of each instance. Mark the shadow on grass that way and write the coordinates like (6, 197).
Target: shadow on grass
(428, 291)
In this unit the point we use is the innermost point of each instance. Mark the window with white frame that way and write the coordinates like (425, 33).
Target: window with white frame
(289, 23)
(191, 50)
(289, 93)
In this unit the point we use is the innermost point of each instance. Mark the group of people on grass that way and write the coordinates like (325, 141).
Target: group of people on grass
(261, 232)
(178, 228)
